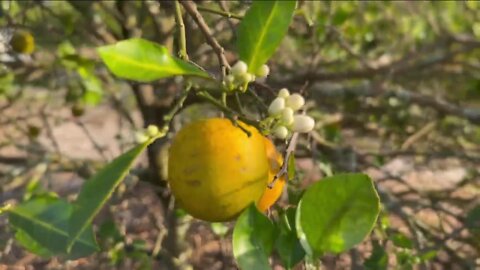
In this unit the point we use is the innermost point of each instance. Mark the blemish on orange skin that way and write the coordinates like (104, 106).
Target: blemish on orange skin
(194, 183)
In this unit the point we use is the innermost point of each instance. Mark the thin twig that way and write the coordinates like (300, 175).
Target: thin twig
(239, 103)
(220, 12)
(191, 9)
(224, 98)
(49, 131)
(167, 118)
(405, 95)
(418, 135)
(224, 8)
(288, 152)
(207, 97)
(95, 144)
(258, 99)
(182, 42)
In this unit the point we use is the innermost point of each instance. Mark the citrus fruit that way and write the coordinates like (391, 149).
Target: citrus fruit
(22, 42)
(271, 195)
(215, 170)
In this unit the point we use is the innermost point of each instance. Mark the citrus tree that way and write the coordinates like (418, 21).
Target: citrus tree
(330, 216)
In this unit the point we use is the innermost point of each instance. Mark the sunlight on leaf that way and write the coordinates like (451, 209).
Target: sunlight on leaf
(141, 60)
(337, 213)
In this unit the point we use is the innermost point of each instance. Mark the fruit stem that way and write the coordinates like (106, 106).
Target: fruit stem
(288, 152)
(210, 99)
(177, 106)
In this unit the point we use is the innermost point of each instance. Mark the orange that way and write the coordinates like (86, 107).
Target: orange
(271, 195)
(215, 170)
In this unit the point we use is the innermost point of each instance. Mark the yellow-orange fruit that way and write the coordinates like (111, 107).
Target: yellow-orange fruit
(215, 170)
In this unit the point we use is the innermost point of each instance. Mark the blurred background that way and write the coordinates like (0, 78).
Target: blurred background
(394, 88)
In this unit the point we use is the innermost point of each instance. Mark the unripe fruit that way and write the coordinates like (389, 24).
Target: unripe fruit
(302, 123)
(239, 68)
(283, 93)
(78, 110)
(281, 132)
(22, 42)
(33, 131)
(295, 101)
(276, 106)
(263, 71)
(287, 116)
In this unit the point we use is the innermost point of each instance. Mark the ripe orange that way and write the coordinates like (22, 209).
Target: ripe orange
(271, 195)
(215, 170)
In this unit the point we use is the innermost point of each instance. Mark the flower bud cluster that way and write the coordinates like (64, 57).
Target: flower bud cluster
(284, 108)
(142, 136)
(239, 76)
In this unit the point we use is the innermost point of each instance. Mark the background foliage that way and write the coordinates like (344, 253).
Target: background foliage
(394, 88)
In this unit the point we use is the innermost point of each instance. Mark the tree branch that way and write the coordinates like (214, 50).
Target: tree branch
(408, 64)
(368, 89)
(207, 97)
(191, 9)
(220, 12)
(182, 42)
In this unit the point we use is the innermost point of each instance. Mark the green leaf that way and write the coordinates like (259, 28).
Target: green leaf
(427, 256)
(401, 240)
(287, 245)
(92, 86)
(42, 227)
(261, 31)
(253, 238)
(141, 60)
(473, 219)
(219, 228)
(406, 259)
(6, 82)
(378, 260)
(31, 245)
(108, 231)
(337, 213)
(96, 191)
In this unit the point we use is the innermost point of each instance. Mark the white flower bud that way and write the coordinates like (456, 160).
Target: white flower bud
(281, 132)
(276, 106)
(283, 93)
(152, 130)
(295, 101)
(229, 79)
(263, 71)
(244, 78)
(239, 68)
(141, 137)
(287, 116)
(303, 123)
